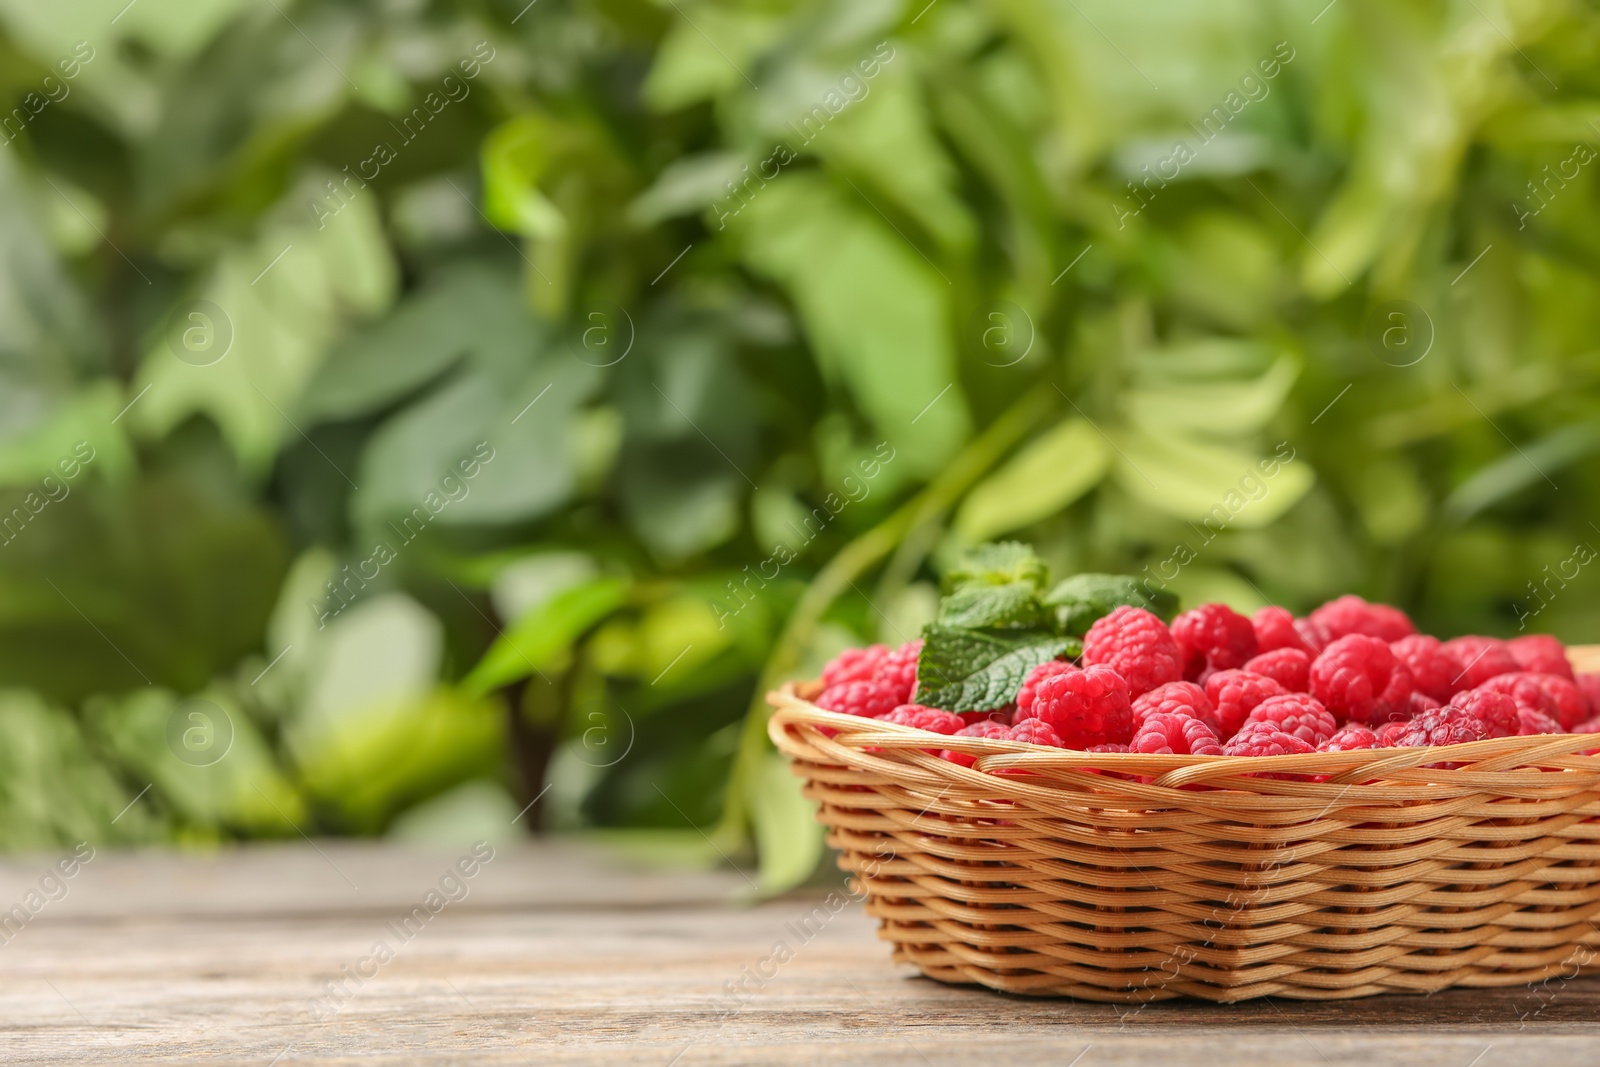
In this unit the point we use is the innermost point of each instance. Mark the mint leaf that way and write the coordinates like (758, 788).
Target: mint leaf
(1014, 605)
(970, 670)
(1000, 563)
(1080, 600)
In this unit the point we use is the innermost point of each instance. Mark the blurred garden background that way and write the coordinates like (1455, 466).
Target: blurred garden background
(413, 411)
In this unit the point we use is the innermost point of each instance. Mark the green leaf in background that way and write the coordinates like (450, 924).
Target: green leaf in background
(786, 829)
(1062, 465)
(998, 563)
(971, 670)
(1200, 481)
(543, 639)
(1080, 600)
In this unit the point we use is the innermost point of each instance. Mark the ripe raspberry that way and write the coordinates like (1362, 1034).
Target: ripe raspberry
(1168, 734)
(1532, 721)
(1589, 686)
(1433, 670)
(1136, 645)
(857, 698)
(1087, 707)
(1421, 702)
(1352, 615)
(999, 715)
(1496, 711)
(1359, 680)
(1275, 630)
(1541, 653)
(1031, 684)
(1315, 637)
(1124, 748)
(1213, 637)
(1351, 738)
(1265, 739)
(1389, 732)
(1592, 726)
(1556, 697)
(853, 665)
(1449, 725)
(931, 719)
(987, 728)
(1481, 658)
(1035, 732)
(1176, 698)
(896, 672)
(1295, 713)
(1289, 667)
(1235, 694)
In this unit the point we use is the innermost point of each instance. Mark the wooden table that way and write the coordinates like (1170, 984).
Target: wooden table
(559, 953)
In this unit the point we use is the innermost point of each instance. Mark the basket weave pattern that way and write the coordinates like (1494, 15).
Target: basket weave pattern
(1072, 875)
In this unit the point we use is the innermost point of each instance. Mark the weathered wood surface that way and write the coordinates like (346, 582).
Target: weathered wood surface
(558, 954)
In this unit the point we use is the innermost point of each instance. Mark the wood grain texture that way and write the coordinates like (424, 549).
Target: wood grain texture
(560, 954)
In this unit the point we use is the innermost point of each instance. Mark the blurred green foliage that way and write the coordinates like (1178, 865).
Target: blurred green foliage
(473, 398)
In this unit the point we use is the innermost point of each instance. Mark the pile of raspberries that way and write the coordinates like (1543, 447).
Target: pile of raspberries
(1352, 675)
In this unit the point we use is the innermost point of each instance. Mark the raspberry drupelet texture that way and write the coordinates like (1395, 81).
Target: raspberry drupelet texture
(1315, 637)
(1351, 738)
(1136, 645)
(1589, 687)
(1390, 731)
(1433, 670)
(1124, 748)
(1496, 711)
(853, 665)
(858, 698)
(1029, 685)
(1265, 739)
(1213, 637)
(1531, 721)
(1289, 667)
(1481, 658)
(987, 728)
(1086, 707)
(1421, 702)
(1359, 680)
(896, 672)
(1035, 732)
(1235, 694)
(1275, 629)
(1449, 725)
(1352, 615)
(931, 719)
(1294, 713)
(1177, 698)
(1548, 693)
(1175, 734)
(1540, 653)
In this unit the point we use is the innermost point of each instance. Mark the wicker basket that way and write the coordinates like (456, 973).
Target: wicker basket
(1082, 877)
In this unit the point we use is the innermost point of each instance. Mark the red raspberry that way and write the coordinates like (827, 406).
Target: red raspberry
(1265, 739)
(1433, 670)
(1556, 697)
(1124, 748)
(1136, 645)
(1035, 732)
(1176, 698)
(1532, 721)
(1315, 637)
(999, 715)
(931, 719)
(1389, 732)
(1087, 707)
(1421, 702)
(1167, 734)
(1359, 680)
(986, 728)
(1589, 686)
(857, 698)
(1449, 725)
(1352, 615)
(1540, 653)
(1213, 637)
(1044, 670)
(1496, 711)
(896, 672)
(1481, 658)
(853, 665)
(1289, 667)
(1590, 727)
(1235, 694)
(1295, 713)
(1351, 738)
(1275, 630)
